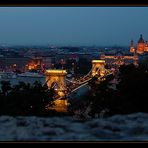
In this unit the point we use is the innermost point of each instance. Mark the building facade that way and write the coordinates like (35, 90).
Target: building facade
(119, 58)
(142, 46)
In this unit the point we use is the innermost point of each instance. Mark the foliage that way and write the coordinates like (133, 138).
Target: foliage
(23, 99)
(132, 87)
(130, 95)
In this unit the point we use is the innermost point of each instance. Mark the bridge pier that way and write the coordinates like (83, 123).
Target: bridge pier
(57, 77)
(98, 65)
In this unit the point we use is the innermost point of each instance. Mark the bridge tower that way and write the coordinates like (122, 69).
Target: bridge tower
(58, 77)
(98, 65)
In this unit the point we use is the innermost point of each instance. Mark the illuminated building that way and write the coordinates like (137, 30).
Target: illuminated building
(35, 64)
(146, 47)
(142, 46)
(120, 58)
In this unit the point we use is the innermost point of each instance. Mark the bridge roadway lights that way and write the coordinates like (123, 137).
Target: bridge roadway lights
(98, 64)
(61, 93)
(58, 77)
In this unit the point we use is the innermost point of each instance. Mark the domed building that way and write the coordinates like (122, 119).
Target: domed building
(142, 46)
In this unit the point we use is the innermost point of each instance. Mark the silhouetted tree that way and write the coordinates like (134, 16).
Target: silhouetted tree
(132, 88)
(5, 87)
(23, 99)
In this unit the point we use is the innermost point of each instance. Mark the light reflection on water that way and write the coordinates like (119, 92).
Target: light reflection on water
(60, 105)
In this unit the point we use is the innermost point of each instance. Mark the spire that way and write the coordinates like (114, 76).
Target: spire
(132, 49)
(141, 40)
(132, 42)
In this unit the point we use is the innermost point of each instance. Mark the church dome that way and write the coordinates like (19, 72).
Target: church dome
(141, 40)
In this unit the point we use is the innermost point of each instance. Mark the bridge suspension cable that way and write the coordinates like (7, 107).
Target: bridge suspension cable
(79, 87)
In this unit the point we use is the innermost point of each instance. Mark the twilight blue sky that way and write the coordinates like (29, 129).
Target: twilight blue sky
(72, 25)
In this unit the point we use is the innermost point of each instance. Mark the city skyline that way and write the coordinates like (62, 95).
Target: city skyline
(74, 26)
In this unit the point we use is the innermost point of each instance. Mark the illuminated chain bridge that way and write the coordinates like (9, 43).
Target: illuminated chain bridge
(57, 79)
